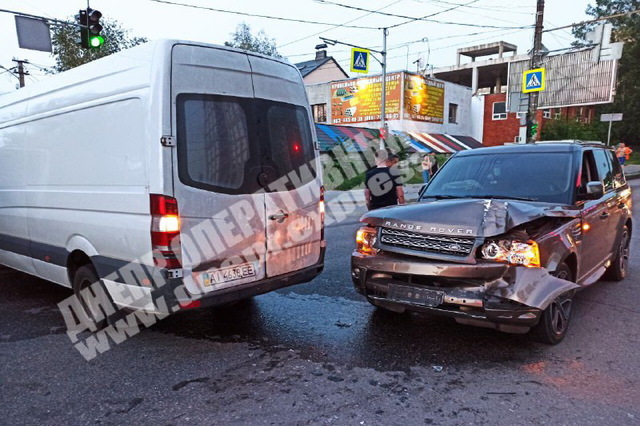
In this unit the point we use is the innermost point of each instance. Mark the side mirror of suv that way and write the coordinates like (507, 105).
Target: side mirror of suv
(595, 190)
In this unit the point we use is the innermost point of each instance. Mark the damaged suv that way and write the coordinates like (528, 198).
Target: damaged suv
(501, 237)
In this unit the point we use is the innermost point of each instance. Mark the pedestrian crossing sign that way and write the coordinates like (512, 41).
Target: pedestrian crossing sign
(533, 80)
(360, 60)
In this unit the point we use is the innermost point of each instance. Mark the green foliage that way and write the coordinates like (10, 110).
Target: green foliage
(627, 100)
(571, 129)
(260, 43)
(69, 54)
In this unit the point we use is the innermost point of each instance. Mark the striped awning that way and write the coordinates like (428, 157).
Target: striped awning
(439, 143)
(353, 139)
(357, 139)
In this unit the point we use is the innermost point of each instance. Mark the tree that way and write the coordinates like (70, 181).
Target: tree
(69, 54)
(627, 99)
(566, 128)
(261, 43)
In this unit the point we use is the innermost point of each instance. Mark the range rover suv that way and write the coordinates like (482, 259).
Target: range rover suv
(501, 237)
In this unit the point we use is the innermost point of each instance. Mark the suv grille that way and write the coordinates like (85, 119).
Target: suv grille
(430, 243)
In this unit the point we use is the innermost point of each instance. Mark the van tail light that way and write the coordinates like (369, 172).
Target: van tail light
(165, 231)
(322, 210)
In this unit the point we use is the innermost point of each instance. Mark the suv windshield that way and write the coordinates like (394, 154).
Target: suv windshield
(543, 176)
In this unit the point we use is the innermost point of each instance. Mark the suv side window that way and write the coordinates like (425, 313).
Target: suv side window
(589, 171)
(605, 171)
(618, 176)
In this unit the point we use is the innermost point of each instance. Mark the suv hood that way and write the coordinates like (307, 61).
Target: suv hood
(465, 217)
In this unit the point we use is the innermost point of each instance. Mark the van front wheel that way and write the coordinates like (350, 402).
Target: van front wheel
(93, 297)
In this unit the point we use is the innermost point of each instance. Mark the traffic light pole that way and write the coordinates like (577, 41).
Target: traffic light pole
(536, 61)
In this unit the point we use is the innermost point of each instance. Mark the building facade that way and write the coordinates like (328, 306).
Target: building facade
(413, 104)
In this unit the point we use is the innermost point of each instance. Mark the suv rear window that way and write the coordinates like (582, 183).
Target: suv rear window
(544, 176)
(240, 145)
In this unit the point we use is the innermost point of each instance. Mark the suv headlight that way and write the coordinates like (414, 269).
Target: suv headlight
(365, 239)
(512, 251)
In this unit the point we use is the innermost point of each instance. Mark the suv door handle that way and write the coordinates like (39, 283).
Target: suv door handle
(279, 216)
(604, 215)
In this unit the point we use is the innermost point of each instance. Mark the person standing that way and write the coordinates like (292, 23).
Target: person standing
(623, 152)
(382, 187)
(426, 168)
(434, 163)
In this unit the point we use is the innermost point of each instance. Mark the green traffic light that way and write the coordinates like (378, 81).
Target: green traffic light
(96, 41)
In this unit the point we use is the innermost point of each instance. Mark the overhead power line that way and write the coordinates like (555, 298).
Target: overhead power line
(434, 14)
(277, 18)
(413, 18)
(336, 26)
(496, 8)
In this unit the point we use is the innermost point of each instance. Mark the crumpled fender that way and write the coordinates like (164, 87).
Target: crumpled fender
(534, 287)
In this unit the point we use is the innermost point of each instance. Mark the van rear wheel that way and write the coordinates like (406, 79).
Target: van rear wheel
(93, 297)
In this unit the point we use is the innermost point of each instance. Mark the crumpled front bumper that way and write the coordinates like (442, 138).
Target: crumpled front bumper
(496, 295)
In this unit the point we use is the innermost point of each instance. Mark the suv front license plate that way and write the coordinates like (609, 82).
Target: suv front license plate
(416, 296)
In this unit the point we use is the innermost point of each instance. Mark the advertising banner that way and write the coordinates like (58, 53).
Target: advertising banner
(423, 99)
(359, 100)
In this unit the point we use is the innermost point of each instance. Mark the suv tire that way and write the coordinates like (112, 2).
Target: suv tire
(617, 271)
(554, 321)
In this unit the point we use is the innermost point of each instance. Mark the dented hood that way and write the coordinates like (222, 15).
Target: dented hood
(465, 217)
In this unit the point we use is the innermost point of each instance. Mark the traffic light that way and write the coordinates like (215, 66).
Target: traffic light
(94, 28)
(89, 26)
(81, 19)
(534, 129)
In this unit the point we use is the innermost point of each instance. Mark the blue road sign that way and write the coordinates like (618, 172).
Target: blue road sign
(360, 60)
(533, 80)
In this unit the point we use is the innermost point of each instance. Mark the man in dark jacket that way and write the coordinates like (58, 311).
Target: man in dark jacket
(383, 184)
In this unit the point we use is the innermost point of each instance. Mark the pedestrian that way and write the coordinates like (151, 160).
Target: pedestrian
(383, 186)
(434, 163)
(623, 152)
(426, 168)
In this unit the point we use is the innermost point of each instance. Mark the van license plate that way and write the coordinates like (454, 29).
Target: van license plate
(418, 296)
(231, 273)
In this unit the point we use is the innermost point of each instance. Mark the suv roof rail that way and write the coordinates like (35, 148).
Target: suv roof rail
(576, 141)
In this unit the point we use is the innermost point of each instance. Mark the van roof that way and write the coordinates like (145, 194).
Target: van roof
(135, 65)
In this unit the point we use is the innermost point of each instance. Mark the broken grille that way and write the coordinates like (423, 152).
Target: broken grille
(443, 244)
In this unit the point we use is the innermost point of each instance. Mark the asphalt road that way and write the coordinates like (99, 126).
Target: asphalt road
(318, 353)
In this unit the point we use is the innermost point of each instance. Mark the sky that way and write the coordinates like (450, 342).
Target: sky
(462, 23)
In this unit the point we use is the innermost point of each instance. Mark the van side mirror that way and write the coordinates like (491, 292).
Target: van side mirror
(424, 188)
(595, 190)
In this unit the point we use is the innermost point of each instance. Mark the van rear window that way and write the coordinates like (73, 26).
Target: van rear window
(240, 145)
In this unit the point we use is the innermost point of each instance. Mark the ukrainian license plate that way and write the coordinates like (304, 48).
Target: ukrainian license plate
(231, 273)
(417, 296)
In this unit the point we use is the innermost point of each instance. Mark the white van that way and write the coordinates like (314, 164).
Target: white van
(174, 170)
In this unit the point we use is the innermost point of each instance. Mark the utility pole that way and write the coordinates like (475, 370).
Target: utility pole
(383, 64)
(536, 62)
(385, 128)
(21, 71)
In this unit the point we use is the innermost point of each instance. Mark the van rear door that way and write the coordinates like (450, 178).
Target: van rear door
(290, 166)
(216, 172)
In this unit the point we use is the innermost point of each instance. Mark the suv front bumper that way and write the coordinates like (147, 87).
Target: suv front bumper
(496, 295)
